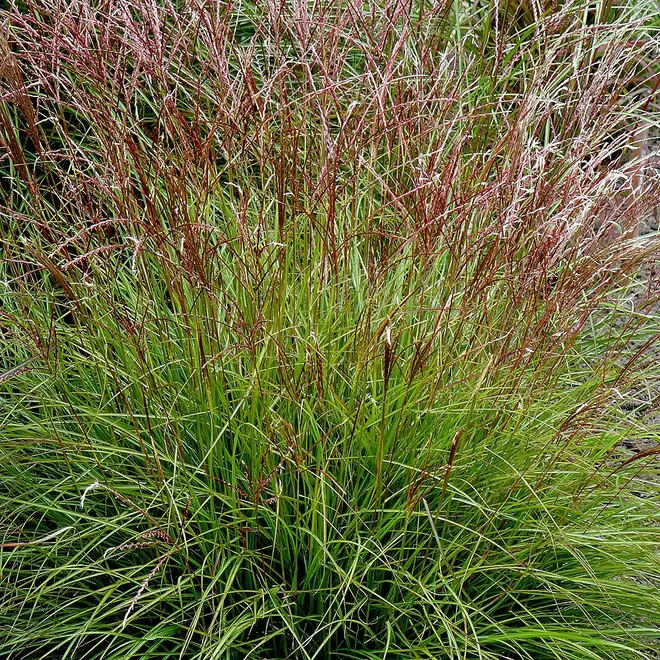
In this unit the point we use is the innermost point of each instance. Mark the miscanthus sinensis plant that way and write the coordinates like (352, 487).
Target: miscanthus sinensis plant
(306, 330)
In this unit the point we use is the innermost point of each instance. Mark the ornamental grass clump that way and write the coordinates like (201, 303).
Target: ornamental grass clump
(305, 331)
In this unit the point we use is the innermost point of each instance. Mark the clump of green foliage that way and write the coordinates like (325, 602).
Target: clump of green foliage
(305, 331)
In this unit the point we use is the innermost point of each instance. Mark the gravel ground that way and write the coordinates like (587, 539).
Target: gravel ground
(643, 400)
